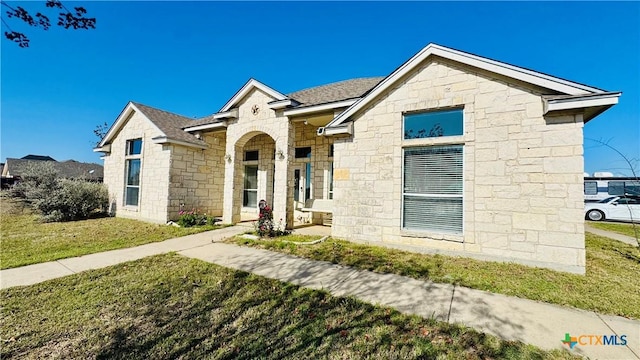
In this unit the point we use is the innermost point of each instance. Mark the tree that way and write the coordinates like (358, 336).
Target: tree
(631, 164)
(67, 19)
(101, 131)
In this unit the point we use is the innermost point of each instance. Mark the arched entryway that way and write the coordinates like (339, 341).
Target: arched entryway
(255, 166)
(256, 169)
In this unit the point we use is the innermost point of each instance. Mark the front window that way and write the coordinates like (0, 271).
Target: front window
(303, 152)
(132, 171)
(250, 186)
(432, 189)
(432, 178)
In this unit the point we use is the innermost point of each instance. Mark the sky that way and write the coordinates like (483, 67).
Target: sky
(191, 57)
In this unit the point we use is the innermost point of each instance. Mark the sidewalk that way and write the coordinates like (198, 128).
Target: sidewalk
(511, 318)
(33, 274)
(611, 235)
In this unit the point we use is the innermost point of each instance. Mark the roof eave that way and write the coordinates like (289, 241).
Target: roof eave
(103, 149)
(167, 140)
(212, 126)
(591, 105)
(319, 108)
(282, 104)
(344, 129)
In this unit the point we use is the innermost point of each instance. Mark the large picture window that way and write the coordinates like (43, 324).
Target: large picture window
(432, 194)
(132, 171)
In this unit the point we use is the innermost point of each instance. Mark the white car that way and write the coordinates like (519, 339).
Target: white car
(625, 208)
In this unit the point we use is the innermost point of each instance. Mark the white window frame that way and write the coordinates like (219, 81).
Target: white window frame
(456, 140)
(127, 166)
(252, 164)
(330, 184)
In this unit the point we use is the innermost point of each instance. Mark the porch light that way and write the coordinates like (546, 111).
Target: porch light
(279, 154)
(228, 158)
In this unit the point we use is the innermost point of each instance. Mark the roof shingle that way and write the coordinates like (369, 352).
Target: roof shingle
(170, 124)
(342, 90)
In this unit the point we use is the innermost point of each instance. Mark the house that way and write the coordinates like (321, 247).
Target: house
(451, 153)
(69, 169)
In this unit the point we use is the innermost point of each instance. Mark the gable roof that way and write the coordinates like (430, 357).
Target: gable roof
(552, 83)
(337, 91)
(246, 88)
(169, 124)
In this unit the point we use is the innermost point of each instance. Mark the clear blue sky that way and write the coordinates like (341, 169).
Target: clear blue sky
(190, 58)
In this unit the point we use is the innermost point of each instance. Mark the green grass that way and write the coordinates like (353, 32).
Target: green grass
(168, 307)
(610, 285)
(620, 228)
(26, 240)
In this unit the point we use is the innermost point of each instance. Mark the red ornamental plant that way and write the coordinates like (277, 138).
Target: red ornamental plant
(265, 226)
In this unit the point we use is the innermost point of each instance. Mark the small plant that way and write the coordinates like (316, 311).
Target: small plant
(265, 226)
(193, 218)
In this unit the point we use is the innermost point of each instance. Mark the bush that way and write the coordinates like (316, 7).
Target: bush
(193, 218)
(37, 180)
(74, 200)
(59, 199)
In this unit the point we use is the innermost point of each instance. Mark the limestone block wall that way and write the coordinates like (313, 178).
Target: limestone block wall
(197, 177)
(154, 173)
(523, 197)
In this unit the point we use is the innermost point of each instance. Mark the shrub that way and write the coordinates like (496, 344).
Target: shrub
(37, 180)
(59, 199)
(193, 218)
(73, 200)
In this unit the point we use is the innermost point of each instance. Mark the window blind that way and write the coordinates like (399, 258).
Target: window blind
(432, 189)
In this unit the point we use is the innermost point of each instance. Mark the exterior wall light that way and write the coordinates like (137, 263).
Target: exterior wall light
(228, 158)
(279, 154)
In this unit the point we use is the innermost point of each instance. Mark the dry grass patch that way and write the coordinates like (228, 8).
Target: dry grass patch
(168, 307)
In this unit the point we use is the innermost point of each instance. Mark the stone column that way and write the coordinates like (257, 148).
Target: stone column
(283, 184)
(232, 201)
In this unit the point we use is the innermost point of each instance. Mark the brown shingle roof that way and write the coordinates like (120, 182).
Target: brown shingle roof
(169, 123)
(69, 169)
(343, 90)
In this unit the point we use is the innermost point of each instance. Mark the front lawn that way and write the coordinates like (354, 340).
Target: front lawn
(26, 240)
(632, 230)
(168, 307)
(610, 285)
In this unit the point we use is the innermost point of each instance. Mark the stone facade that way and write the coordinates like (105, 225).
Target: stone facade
(523, 196)
(522, 158)
(197, 177)
(154, 172)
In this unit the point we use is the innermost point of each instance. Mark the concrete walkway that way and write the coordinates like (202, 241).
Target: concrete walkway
(611, 235)
(33, 274)
(511, 318)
